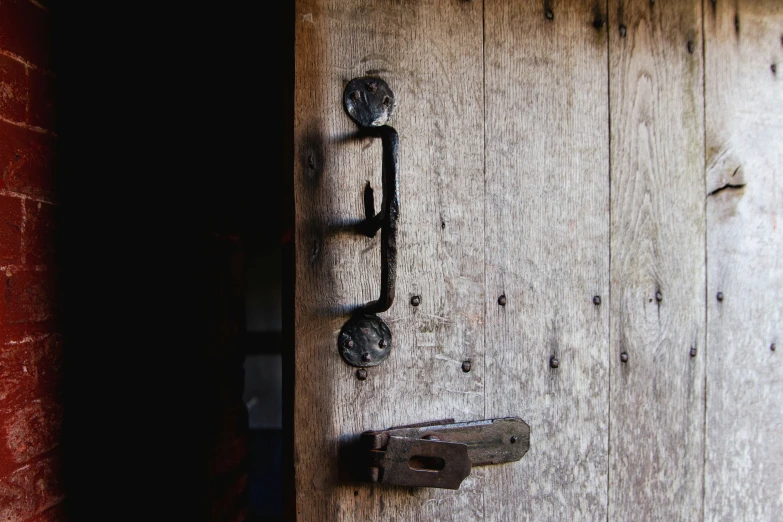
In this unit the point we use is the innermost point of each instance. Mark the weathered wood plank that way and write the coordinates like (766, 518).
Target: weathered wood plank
(744, 116)
(547, 251)
(656, 445)
(430, 53)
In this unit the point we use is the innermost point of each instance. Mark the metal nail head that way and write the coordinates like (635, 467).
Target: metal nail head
(597, 300)
(361, 374)
(553, 362)
(624, 357)
(502, 300)
(719, 297)
(466, 366)
(416, 300)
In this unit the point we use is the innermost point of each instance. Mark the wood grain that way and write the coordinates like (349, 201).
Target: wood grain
(656, 446)
(547, 251)
(744, 115)
(430, 53)
(551, 156)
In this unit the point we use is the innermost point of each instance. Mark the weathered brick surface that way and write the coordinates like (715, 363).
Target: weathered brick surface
(29, 297)
(30, 430)
(17, 502)
(30, 345)
(16, 375)
(41, 95)
(10, 230)
(48, 357)
(24, 31)
(31, 490)
(10, 333)
(13, 89)
(55, 513)
(30, 366)
(27, 161)
(40, 232)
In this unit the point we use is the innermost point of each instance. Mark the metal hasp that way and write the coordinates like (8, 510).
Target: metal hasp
(365, 340)
(441, 454)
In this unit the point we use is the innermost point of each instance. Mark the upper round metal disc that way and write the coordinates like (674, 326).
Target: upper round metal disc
(368, 101)
(364, 341)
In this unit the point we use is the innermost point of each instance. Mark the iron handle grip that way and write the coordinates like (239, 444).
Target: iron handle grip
(370, 102)
(386, 220)
(365, 340)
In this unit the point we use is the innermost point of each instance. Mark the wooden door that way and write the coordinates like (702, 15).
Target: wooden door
(590, 198)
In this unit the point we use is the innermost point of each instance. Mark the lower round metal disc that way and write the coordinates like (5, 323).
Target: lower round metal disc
(364, 341)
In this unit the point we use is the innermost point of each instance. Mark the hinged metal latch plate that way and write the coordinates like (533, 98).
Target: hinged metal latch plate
(441, 454)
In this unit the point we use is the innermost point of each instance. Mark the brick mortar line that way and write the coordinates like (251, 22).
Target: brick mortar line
(39, 130)
(31, 339)
(41, 267)
(27, 101)
(24, 62)
(23, 230)
(21, 468)
(38, 457)
(40, 5)
(12, 194)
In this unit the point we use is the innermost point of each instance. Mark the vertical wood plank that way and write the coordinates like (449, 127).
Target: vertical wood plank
(547, 252)
(430, 53)
(657, 261)
(744, 117)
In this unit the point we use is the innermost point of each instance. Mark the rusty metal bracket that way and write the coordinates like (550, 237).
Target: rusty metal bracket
(441, 454)
(365, 340)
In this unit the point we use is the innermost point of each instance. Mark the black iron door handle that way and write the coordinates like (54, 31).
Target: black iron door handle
(386, 220)
(365, 340)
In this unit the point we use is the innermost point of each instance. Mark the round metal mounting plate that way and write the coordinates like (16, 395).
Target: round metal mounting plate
(364, 341)
(368, 101)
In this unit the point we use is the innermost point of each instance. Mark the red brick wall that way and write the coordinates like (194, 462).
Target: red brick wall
(30, 337)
